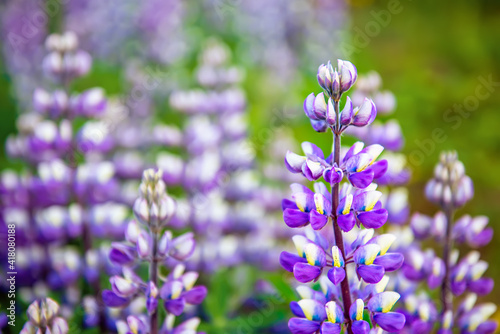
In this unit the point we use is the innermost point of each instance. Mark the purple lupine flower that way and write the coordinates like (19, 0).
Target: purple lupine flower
(453, 276)
(43, 317)
(356, 262)
(149, 242)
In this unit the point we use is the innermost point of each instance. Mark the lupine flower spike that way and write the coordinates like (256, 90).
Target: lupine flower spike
(453, 275)
(351, 262)
(147, 241)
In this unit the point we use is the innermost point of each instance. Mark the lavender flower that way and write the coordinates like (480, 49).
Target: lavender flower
(354, 211)
(149, 242)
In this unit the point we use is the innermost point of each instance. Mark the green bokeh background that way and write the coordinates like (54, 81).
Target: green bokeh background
(430, 55)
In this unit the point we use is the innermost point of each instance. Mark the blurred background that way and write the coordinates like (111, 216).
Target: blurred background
(440, 59)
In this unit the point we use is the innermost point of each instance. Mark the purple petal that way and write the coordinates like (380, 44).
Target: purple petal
(371, 274)
(362, 179)
(121, 254)
(318, 221)
(346, 222)
(305, 273)
(288, 204)
(319, 126)
(175, 306)
(336, 275)
(360, 327)
(196, 295)
(309, 106)
(151, 304)
(487, 327)
(288, 260)
(379, 168)
(311, 149)
(296, 309)
(294, 162)
(330, 328)
(302, 326)
(390, 261)
(373, 219)
(482, 238)
(390, 321)
(482, 286)
(295, 218)
(111, 299)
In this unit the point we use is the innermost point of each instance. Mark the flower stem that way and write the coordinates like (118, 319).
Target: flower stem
(446, 296)
(153, 277)
(339, 240)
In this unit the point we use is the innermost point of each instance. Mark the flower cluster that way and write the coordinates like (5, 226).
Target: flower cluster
(147, 242)
(453, 275)
(68, 190)
(43, 319)
(353, 210)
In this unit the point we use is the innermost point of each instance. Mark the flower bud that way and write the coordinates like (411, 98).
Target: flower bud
(122, 287)
(324, 76)
(132, 232)
(365, 114)
(141, 210)
(92, 102)
(144, 245)
(59, 326)
(164, 243)
(42, 101)
(183, 246)
(53, 64)
(348, 74)
(347, 114)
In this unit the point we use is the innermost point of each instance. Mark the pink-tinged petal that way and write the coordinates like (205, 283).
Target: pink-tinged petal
(318, 221)
(288, 204)
(390, 261)
(379, 168)
(360, 327)
(175, 306)
(288, 260)
(361, 179)
(311, 149)
(295, 218)
(336, 275)
(306, 273)
(383, 302)
(331, 116)
(296, 310)
(303, 326)
(482, 286)
(346, 222)
(371, 274)
(111, 299)
(373, 219)
(196, 295)
(309, 106)
(294, 162)
(390, 322)
(330, 328)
